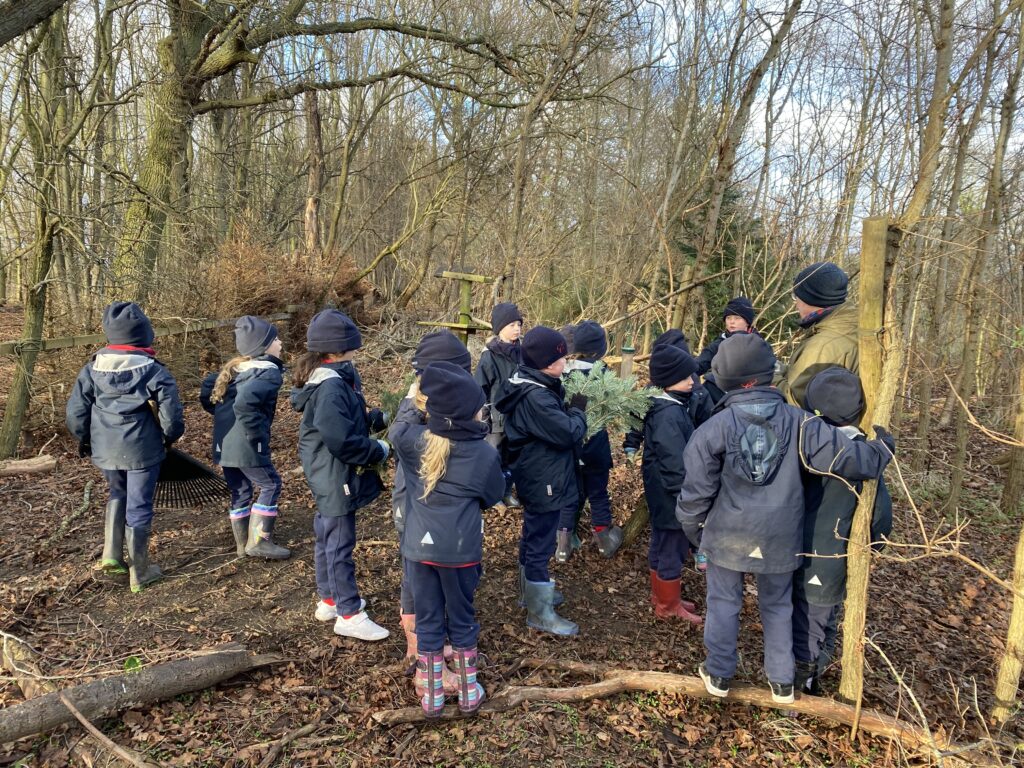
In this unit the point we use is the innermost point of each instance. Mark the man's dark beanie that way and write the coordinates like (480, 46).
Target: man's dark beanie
(741, 358)
(542, 346)
(670, 365)
(504, 314)
(452, 393)
(837, 395)
(589, 340)
(675, 337)
(125, 323)
(441, 346)
(741, 307)
(821, 285)
(332, 332)
(253, 335)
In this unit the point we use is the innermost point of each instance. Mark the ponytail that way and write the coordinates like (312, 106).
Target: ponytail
(434, 461)
(418, 398)
(304, 366)
(227, 373)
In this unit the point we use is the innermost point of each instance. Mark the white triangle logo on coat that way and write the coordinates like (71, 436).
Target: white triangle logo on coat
(756, 554)
(426, 539)
(815, 580)
(398, 512)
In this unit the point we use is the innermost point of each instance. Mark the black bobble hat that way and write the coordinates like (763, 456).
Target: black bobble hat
(675, 337)
(589, 340)
(452, 393)
(837, 395)
(542, 346)
(441, 346)
(253, 335)
(670, 365)
(504, 314)
(821, 285)
(124, 322)
(331, 331)
(741, 307)
(741, 358)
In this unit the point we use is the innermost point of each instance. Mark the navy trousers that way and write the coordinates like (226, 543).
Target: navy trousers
(332, 559)
(722, 624)
(444, 605)
(405, 596)
(810, 627)
(537, 544)
(243, 480)
(137, 487)
(667, 553)
(595, 490)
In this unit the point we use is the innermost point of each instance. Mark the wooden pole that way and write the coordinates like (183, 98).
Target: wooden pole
(466, 308)
(626, 364)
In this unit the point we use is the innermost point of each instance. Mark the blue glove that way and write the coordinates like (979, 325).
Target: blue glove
(631, 455)
(387, 449)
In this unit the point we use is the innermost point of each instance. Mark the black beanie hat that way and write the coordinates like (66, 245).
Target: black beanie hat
(589, 340)
(741, 358)
(253, 335)
(331, 331)
(453, 396)
(670, 365)
(504, 314)
(741, 307)
(542, 346)
(124, 322)
(438, 346)
(837, 395)
(673, 337)
(821, 285)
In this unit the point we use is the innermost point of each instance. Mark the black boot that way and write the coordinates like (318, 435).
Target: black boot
(563, 545)
(141, 572)
(261, 528)
(540, 614)
(112, 561)
(240, 530)
(608, 541)
(807, 678)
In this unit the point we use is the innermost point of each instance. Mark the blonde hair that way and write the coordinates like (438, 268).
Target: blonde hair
(227, 373)
(434, 461)
(418, 398)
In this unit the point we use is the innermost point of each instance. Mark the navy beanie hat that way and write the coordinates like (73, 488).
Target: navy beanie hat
(441, 346)
(741, 307)
(331, 331)
(253, 335)
(670, 365)
(542, 346)
(741, 358)
(124, 322)
(453, 400)
(589, 340)
(673, 337)
(504, 314)
(836, 394)
(821, 285)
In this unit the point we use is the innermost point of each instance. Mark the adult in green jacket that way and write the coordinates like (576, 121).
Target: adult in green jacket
(831, 328)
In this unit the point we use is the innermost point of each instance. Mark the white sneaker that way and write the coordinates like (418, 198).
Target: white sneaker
(325, 612)
(361, 627)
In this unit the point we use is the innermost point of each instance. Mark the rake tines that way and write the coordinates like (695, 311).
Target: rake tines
(187, 482)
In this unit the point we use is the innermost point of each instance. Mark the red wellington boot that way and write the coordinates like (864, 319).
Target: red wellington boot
(667, 603)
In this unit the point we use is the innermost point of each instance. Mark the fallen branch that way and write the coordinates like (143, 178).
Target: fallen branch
(27, 466)
(119, 751)
(278, 746)
(102, 698)
(65, 524)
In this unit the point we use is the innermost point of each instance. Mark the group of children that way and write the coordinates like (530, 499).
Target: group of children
(729, 481)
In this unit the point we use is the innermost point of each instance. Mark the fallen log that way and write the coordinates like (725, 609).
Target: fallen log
(27, 466)
(102, 698)
(614, 681)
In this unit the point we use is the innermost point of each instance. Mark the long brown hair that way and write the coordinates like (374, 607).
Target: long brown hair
(304, 366)
(227, 373)
(434, 461)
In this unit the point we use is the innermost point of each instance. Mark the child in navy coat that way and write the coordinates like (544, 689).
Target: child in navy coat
(339, 459)
(819, 584)
(590, 343)
(497, 364)
(451, 474)
(543, 439)
(738, 317)
(742, 501)
(437, 346)
(667, 429)
(110, 413)
(243, 400)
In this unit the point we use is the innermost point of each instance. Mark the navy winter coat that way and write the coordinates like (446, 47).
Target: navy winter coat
(742, 500)
(242, 420)
(596, 453)
(496, 366)
(335, 446)
(408, 415)
(446, 528)
(821, 579)
(109, 409)
(543, 440)
(698, 404)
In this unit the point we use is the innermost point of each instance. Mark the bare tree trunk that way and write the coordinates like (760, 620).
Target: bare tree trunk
(314, 181)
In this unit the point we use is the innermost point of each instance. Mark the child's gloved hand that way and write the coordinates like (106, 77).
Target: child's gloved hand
(578, 401)
(84, 449)
(387, 450)
(631, 456)
(378, 420)
(885, 437)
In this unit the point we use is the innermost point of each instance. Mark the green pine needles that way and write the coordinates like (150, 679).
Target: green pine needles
(611, 402)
